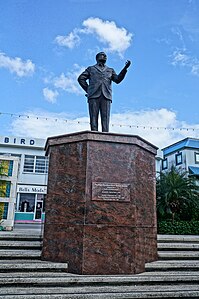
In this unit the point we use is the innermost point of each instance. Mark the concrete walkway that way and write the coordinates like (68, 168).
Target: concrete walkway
(25, 229)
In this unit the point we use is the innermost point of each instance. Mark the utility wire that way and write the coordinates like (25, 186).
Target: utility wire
(69, 121)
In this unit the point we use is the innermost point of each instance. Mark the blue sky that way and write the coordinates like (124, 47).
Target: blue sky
(44, 45)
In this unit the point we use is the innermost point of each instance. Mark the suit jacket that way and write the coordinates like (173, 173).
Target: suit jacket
(100, 81)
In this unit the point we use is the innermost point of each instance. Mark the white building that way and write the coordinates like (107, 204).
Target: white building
(31, 186)
(158, 161)
(8, 187)
(183, 154)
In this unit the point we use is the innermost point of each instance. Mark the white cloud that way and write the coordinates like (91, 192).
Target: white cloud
(182, 59)
(70, 41)
(50, 95)
(179, 33)
(160, 127)
(116, 39)
(17, 66)
(195, 69)
(68, 81)
(40, 124)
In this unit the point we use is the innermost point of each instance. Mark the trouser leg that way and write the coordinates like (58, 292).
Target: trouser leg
(93, 105)
(105, 106)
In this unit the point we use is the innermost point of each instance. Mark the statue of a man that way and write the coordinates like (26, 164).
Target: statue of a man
(99, 90)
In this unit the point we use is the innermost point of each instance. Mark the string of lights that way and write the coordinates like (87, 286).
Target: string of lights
(70, 121)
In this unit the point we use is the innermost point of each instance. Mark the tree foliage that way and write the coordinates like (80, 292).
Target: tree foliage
(175, 191)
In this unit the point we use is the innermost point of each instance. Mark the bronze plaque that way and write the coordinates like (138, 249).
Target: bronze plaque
(110, 191)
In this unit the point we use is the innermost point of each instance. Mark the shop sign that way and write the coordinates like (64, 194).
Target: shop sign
(21, 141)
(31, 189)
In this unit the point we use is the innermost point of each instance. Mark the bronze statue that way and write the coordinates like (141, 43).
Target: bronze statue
(99, 90)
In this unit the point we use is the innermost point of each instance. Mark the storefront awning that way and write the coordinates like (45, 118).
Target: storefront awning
(194, 170)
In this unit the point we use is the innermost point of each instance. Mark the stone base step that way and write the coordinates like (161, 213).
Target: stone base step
(178, 246)
(35, 274)
(7, 244)
(84, 281)
(20, 261)
(12, 254)
(170, 273)
(103, 292)
(21, 274)
(178, 238)
(181, 255)
(175, 265)
(20, 236)
(20, 254)
(36, 266)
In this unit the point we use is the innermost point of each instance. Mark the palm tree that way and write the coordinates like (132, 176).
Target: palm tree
(175, 189)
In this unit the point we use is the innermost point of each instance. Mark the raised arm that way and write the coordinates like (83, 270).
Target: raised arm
(118, 78)
(127, 64)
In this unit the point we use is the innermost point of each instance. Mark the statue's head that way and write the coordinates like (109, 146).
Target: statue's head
(101, 57)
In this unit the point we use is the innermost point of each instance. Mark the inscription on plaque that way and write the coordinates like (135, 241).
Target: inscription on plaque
(110, 191)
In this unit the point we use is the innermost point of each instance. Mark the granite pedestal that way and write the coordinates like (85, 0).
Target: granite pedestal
(100, 206)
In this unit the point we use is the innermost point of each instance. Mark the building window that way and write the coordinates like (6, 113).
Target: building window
(41, 165)
(164, 164)
(7, 167)
(27, 202)
(29, 163)
(35, 164)
(30, 202)
(178, 158)
(4, 210)
(196, 157)
(5, 188)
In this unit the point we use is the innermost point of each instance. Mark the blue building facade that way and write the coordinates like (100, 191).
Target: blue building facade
(183, 154)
